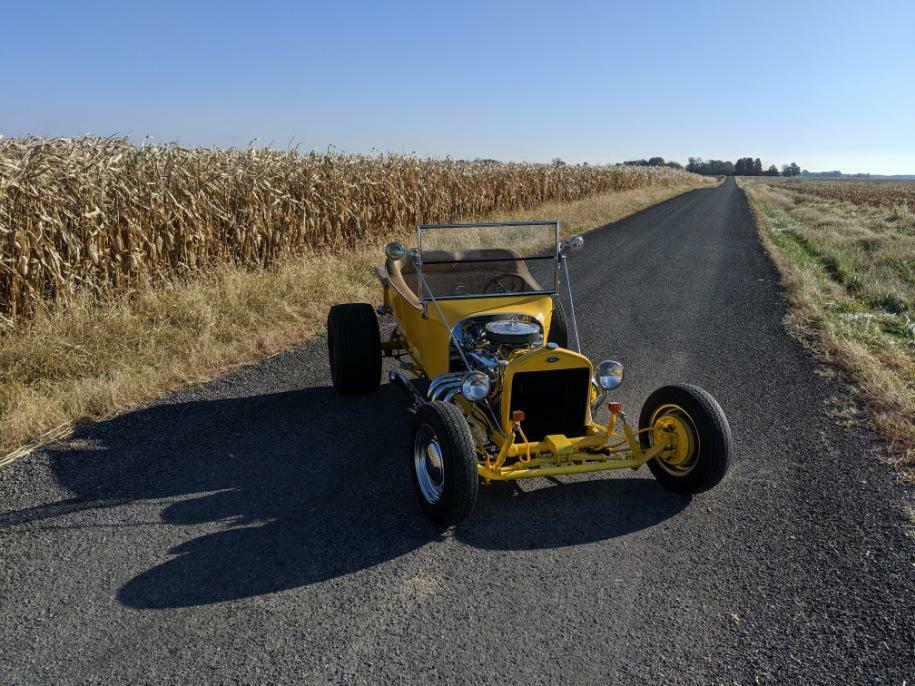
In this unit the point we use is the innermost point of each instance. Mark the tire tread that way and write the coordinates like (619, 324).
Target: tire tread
(354, 348)
(460, 463)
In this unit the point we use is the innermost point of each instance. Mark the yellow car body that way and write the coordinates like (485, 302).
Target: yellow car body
(428, 338)
(424, 334)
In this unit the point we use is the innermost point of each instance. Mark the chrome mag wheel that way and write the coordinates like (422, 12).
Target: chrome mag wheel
(428, 463)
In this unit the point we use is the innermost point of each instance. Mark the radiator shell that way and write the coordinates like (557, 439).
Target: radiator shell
(553, 388)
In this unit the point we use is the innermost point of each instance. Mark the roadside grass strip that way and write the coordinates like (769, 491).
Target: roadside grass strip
(849, 270)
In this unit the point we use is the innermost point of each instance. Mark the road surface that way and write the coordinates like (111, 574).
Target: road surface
(261, 529)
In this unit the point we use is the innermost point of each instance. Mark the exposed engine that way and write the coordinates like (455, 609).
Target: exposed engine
(487, 342)
(554, 400)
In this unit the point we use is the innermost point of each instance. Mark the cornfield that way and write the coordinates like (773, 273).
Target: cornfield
(108, 216)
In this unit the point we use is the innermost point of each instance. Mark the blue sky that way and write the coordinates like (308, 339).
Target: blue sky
(826, 84)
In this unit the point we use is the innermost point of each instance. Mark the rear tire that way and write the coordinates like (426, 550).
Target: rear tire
(559, 331)
(699, 419)
(443, 463)
(354, 348)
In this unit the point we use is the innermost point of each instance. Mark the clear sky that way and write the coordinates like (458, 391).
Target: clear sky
(826, 84)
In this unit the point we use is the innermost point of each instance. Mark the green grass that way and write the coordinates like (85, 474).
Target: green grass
(850, 274)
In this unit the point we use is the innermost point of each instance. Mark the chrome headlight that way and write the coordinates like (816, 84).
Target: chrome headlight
(394, 251)
(609, 374)
(475, 386)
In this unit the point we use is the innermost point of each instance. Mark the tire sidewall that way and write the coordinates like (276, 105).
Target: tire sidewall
(713, 433)
(559, 330)
(332, 353)
(460, 485)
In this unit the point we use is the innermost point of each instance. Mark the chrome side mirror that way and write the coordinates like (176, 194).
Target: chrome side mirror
(572, 246)
(394, 251)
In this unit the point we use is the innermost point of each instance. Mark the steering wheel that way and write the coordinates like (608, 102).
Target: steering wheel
(506, 282)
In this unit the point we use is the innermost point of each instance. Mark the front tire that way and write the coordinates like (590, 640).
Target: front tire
(443, 463)
(703, 440)
(354, 348)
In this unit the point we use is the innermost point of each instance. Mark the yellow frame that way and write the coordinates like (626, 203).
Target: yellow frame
(600, 449)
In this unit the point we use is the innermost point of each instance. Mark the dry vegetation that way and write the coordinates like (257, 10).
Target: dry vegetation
(106, 216)
(877, 193)
(96, 230)
(847, 254)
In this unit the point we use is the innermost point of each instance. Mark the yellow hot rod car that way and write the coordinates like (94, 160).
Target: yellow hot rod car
(494, 390)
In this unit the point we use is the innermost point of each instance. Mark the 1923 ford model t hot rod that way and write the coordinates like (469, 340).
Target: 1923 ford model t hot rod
(496, 393)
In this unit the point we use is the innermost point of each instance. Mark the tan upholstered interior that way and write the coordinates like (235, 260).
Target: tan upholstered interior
(457, 271)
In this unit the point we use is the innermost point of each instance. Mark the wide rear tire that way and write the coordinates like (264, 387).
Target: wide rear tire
(704, 437)
(354, 348)
(443, 463)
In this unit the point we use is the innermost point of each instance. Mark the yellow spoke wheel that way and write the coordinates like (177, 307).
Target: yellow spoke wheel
(671, 424)
(690, 427)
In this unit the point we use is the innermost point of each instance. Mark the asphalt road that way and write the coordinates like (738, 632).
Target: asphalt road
(260, 529)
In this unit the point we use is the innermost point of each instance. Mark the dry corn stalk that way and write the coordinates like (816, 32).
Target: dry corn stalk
(109, 216)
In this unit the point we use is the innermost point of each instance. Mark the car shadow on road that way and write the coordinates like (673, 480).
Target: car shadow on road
(568, 512)
(280, 491)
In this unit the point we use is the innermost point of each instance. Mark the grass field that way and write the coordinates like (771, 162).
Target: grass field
(846, 250)
(884, 193)
(110, 309)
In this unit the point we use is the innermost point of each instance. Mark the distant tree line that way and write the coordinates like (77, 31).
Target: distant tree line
(710, 167)
(745, 166)
(653, 162)
(835, 174)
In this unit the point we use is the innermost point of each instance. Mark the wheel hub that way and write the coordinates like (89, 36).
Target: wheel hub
(673, 426)
(428, 463)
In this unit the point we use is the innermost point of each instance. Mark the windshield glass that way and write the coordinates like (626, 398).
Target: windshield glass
(475, 260)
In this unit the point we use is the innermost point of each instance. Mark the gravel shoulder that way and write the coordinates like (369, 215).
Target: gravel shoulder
(260, 528)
